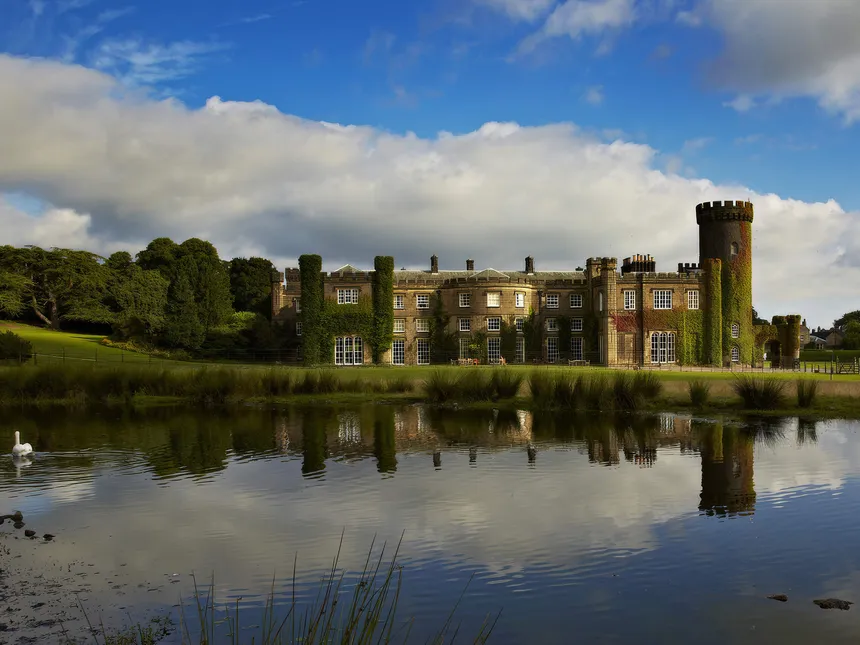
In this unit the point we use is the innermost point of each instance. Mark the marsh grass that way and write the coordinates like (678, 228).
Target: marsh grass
(807, 392)
(507, 383)
(346, 611)
(627, 392)
(699, 391)
(759, 393)
(648, 384)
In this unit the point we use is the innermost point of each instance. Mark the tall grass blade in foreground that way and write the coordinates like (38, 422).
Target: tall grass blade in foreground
(700, 391)
(507, 382)
(648, 384)
(759, 393)
(807, 392)
(626, 396)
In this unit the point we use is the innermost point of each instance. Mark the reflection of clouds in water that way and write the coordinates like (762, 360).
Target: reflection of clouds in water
(825, 463)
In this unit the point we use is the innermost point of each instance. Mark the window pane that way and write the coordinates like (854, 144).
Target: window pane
(423, 352)
(520, 300)
(552, 349)
(398, 353)
(494, 324)
(576, 324)
(575, 301)
(576, 348)
(493, 350)
(464, 347)
(692, 300)
(465, 324)
(552, 301)
(399, 325)
(494, 299)
(663, 299)
(520, 351)
(630, 299)
(465, 299)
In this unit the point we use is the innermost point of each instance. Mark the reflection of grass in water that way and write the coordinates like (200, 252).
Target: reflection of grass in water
(366, 613)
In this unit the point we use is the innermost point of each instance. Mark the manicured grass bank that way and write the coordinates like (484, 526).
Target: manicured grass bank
(539, 388)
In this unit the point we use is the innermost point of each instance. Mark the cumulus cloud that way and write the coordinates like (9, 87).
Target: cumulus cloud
(594, 95)
(789, 49)
(123, 169)
(576, 18)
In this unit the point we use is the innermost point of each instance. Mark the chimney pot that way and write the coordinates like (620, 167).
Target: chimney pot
(470, 265)
(434, 264)
(530, 264)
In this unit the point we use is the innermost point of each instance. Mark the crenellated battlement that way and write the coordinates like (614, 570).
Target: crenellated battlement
(724, 211)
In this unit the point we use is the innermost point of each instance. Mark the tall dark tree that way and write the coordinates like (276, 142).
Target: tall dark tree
(183, 327)
(851, 316)
(139, 300)
(209, 282)
(251, 284)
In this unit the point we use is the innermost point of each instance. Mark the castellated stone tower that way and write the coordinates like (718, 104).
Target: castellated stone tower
(725, 246)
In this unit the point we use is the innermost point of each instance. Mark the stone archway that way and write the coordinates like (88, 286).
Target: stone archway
(774, 353)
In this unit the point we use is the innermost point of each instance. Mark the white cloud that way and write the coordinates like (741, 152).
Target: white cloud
(694, 145)
(594, 95)
(526, 10)
(790, 49)
(689, 18)
(139, 63)
(576, 18)
(741, 103)
(125, 169)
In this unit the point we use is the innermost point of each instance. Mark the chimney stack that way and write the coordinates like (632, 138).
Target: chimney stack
(434, 264)
(530, 265)
(470, 265)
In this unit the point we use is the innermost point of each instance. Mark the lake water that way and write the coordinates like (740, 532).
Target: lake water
(660, 529)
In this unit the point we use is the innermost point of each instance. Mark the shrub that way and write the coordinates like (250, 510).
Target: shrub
(565, 391)
(15, 348)
(476, 386)
(542, 387)
(699, 390)
(759, 393)
(596, 393)
(807, 392)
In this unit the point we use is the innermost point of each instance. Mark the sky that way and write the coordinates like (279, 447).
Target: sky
(490, 129)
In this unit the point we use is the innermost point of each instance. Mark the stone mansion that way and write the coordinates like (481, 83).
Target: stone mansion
(602, 314)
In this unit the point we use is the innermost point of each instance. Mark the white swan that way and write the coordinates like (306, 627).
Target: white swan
(20, 449)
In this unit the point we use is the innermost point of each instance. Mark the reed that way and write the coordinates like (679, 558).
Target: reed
(441, 386)
(759, 393)
(807, 392)
(648, 384)
(542, 387)
(344, 612)
(596, 392)
(700, 391)
(507, 383)
(626, 393)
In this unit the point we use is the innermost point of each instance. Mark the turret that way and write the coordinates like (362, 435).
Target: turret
(725, 234)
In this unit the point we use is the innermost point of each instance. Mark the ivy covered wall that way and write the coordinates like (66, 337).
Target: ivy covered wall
(713, 325)
(310, 271)
(382, 332)
(737, 297)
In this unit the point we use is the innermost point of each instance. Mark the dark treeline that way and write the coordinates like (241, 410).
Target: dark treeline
(174, 296)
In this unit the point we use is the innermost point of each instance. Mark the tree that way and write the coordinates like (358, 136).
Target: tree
(183, 327)
(251, 284)
(139, 300)
(159, 255)
(851, 339)
(851, 316)
(209, 281)
(13, 289)
(756, 319)
(57, 284)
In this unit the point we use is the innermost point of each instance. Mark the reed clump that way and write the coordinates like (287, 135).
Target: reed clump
(759, 393)
(807, 393)
(700, 391)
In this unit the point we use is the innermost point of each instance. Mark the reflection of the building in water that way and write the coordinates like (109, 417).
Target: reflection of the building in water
(727, 470)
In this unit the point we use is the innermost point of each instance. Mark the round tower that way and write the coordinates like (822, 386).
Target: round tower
(725, 234)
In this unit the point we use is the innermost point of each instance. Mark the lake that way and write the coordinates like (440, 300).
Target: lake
(646, 529)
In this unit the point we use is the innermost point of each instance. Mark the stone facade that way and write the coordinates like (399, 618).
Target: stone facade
(700, 314)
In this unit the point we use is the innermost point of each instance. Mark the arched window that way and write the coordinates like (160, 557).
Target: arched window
(736, 330)
(662, 347)
(734, 249)
(736, 354)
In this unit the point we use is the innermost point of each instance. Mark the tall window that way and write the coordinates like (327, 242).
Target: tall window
(736, 330)
(693, 299)
(662, 299)
(576, 324)
(519, 324)
(734, 249)
(576, 348)
(663, 347)
(399, 325)
(494, 349)
(552, 349)
(494, 299)
(465, 299)
(422, 301)
(576, 301)
(600, 301)
(552, 301)
(629, 299)
(551, 324)
(298, 328)
(465, 352)
(347, 296)
(519, 300)
(465, 324)
(348, 350)
(398, 301)
(520, 352)
(736, 354)
(423, 351)
(494, 324)
(422, 325)
(398, 352)
(298, 305)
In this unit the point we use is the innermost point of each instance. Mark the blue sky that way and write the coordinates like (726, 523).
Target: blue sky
(749, 95)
